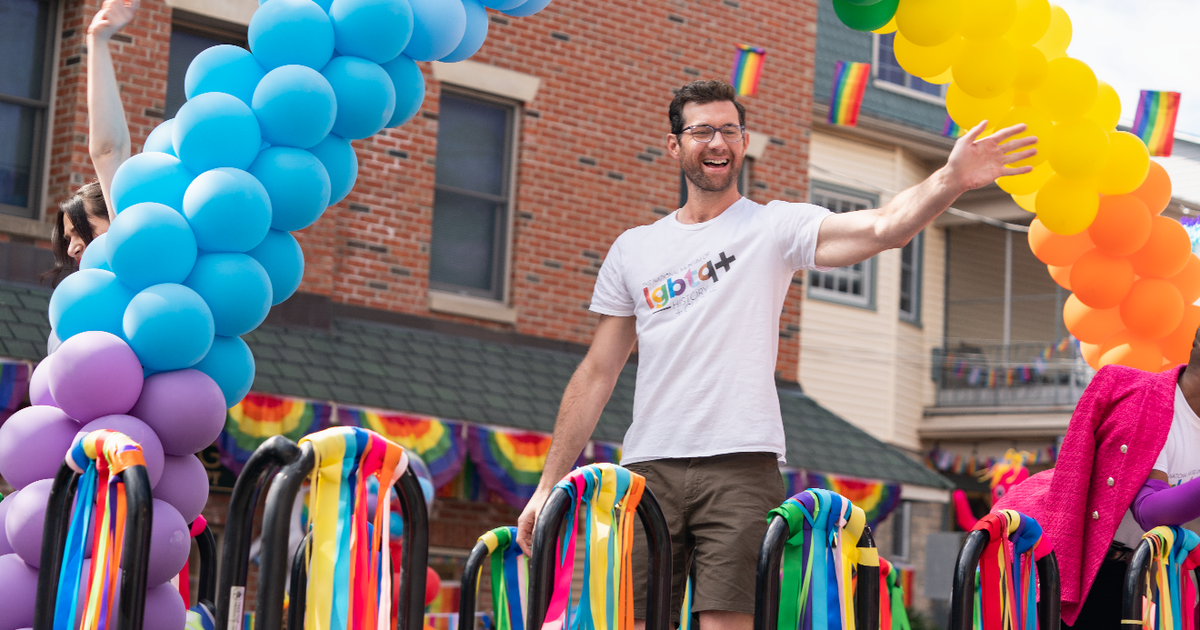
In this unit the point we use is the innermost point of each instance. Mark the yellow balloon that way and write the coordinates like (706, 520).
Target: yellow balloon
(1107, 109)
(1032, 20)
(1031, 68)
(987, 19)
(1026, 202)
(1066, 206)
(1128, 163)
(1068, 91)
(929, 22)
(1037, 124)
(925, 61)
(942, 78)
(969, 111)
(1027, 184)
(1058, 36)
(890, 27)
(985, 69)
(1078, 149)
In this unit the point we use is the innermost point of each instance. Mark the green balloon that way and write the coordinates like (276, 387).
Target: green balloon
(865, 17)
(862, 3)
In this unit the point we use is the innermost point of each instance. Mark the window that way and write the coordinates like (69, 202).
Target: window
(911, 256)
(888, 70)
(851, 285)
(902, 532)
(472, 196)
(189, 39)
(26, 46)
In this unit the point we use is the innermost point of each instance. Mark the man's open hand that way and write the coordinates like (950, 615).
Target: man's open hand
(976, 162)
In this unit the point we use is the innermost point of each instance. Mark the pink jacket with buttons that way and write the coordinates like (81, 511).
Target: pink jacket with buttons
(1116, 433)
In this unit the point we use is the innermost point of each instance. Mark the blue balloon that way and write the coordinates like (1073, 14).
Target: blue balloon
(376, 30)
(150, 244)
(284, 32)
(280, 255)
(409, 84)
(160, 138)
(214, 130)
(438, 27)
(236, 289)
(340, 161)
(95, 255)
(297, 184)
(231, 364)
(228, 209)
(223, 68)
(365, 96)
(503, 5)
(528, 8)
(169, 327)
(295, 106)
(477, 29)
(89, 299)
(156, 177)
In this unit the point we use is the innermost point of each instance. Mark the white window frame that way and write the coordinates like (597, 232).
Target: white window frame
(902, 533)
(900, 88)
(867, 268)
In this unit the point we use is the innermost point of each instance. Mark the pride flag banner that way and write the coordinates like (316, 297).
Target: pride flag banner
(747, 68)
(509, 462)
(259, 416)
(1154, 121)
(876, 498)
(950, 129)
(439, 443)
(849, 83)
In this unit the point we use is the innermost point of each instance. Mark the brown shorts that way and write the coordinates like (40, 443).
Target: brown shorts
(716, 509)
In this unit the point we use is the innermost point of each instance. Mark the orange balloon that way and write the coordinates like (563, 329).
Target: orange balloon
(1155, 189)
(1056, 249)
(1177, 346)
(1124, 348)
(1122, 225)
(1165, 252)
(1101, 281)
(1091, 353)
(1060, 275)
(1089, 324)
(1188, 280)
(1153, 308)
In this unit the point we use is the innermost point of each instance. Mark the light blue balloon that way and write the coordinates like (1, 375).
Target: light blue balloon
(169, 327)
(295, 106)
(223, 68)
(280, 255)
(503, 5)
(236, 289)
(214, 130)
(438, 27)
(340, 161)
(365, 96)
(477, 30)
(150, 244)
(376, 30)
(409, 84)
(284, 32)
(160, 138)
(297, 184)
(89, 299)
(528, 8)
(228, 210)
(95, 255)
(231, 364)
(151, 176)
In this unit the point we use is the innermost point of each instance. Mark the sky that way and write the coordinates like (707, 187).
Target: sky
(1137, 45)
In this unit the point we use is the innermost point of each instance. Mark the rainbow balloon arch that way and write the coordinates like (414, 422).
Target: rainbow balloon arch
(1097, 195)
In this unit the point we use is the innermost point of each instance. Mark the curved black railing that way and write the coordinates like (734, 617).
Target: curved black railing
(962, 597)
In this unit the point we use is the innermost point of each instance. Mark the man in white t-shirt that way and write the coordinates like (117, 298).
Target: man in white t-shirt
(701, 292)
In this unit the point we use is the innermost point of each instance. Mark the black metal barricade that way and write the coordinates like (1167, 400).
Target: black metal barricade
(962, 597)
(1135, 586)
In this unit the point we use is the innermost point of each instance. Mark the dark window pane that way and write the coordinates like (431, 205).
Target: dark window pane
(23, 47)
(921, 85)
(184, 48)
(464, 249)
(472, 145)
(16, 153)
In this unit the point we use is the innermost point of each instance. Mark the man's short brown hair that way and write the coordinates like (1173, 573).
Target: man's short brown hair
(701, 92)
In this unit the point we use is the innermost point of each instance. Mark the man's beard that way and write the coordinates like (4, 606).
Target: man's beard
(694, 171)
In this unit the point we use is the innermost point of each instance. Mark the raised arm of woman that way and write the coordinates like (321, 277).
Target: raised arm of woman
(108, 133)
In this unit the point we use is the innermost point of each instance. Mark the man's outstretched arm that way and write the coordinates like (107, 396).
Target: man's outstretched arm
(582, 402)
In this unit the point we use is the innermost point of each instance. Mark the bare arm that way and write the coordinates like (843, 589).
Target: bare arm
(108, 133)
(584, 399)
(851, 237)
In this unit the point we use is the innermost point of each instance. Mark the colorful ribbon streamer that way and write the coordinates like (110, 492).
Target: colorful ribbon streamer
(510, 578)
(1007, 581)
(892, 615)
(1174, 556)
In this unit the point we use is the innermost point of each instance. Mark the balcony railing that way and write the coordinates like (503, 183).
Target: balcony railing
(1013, 375)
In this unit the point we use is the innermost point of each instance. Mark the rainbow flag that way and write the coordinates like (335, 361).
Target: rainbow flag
(950, 129)
(1154, 121)
(747, 68)
(876, 498)
(258, 417)
(849, 83)
(439, 443)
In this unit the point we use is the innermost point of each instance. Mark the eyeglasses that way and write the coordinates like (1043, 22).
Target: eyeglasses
(705, 133)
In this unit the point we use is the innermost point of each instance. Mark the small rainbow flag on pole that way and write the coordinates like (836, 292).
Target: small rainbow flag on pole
(849, 83)
(747, 67)
(1154, 121)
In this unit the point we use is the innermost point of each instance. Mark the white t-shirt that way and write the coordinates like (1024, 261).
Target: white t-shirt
(1179, 459)
(707, 298)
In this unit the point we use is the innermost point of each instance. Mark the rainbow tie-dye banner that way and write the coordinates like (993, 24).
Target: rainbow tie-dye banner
(259, 416)
(849, 84)
(439, 443)
(747, 68)
(1154, 121)
(877, 498)
(509, 462)
(950, 129)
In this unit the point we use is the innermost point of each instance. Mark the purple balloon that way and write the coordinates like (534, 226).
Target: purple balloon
(137, 431)
(5, 503)
(33, 443)
(185, 408)
(39, 383)
(164, 609)
(18, 586)
(95, 374)
(23, 523)
(184, 485)
(170, 544)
